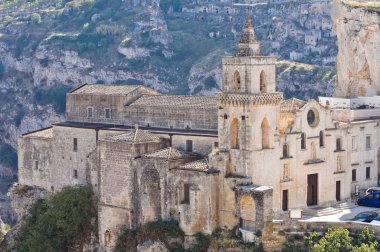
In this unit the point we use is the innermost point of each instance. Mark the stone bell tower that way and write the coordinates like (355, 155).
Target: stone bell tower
(248, 104)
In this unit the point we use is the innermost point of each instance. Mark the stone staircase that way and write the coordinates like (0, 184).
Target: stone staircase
(320, 211)
(325, 211)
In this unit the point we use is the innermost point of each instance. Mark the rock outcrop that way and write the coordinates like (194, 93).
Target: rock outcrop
(22, 197)
(357, 25)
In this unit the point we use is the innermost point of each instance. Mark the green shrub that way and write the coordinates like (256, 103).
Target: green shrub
(153, 231)
(202, 243)
(59, 223)
(36, 18)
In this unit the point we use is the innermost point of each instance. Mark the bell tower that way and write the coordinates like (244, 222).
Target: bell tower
(248, 104)
(247, 71)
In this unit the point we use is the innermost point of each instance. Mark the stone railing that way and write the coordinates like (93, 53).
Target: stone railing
(252, 99)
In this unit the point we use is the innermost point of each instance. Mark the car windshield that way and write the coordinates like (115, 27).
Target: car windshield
(365, 215)
(361, 216)
(377, 218)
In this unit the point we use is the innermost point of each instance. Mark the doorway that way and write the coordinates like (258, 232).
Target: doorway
(337, 190)
(285, 199)
(312, 189)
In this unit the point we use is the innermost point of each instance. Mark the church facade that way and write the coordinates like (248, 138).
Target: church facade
(240, 158)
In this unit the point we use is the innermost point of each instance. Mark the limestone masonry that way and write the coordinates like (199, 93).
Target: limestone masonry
(240, 158)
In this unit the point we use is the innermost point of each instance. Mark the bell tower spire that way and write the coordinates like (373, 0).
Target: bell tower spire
(247, 45)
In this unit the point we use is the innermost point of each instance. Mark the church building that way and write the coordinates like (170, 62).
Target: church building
(240, 158)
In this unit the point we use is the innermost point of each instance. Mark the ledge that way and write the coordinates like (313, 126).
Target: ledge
(339, 150)
(286, 180)
(339, 172)
(314, 161)
(282, 158)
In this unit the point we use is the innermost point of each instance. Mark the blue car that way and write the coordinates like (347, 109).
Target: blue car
(370, 200)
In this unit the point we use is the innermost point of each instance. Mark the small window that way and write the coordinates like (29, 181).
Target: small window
(186, 194)
(353, 175)
(321, 139)
(75, 144)
(75, 174)
(303, 141)
(107, 238)
(189, 145)
(108, 113)
(369, 196)
(216, 145)
(90, 112)
(243, 118)
(285, 151)
(36, 165)
(338, 144)
(368, 142)
(225, 116)
(368, 172)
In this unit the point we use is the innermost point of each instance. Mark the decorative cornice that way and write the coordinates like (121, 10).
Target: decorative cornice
(250, 99)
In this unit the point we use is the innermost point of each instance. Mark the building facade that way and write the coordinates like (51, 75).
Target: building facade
(241, 158)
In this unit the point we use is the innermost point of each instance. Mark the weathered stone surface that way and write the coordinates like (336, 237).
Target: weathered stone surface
(149, 246)
(358, 60)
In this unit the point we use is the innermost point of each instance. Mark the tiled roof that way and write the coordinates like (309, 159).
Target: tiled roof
(44, 133)
(168, 153)
(102, 89)
(177, 101)
(292, 105)
(136, 136)
(199, 165)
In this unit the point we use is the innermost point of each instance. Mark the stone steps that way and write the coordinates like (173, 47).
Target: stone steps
(317, 212)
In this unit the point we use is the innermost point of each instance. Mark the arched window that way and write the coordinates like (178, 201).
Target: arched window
(234, 134)
(263, 82)
(285, 151)
(303, 141)
(237, 82)
(265, 134)
(362, 91)
(321, 139)
(107, 238)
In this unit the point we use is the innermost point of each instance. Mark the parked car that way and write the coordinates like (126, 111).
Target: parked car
(372, 189)
(366, 216)
(376, 221)
(370, 200)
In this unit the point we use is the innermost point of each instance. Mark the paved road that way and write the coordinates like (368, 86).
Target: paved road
(345, 215)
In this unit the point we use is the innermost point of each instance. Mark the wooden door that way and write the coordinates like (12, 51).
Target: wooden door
(337, 191)
(285, 200)
(312, 189)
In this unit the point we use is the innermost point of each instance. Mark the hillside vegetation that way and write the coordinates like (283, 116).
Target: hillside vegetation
(61, 223)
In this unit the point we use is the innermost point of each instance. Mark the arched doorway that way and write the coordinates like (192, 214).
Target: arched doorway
(151, 195)
(247, 212)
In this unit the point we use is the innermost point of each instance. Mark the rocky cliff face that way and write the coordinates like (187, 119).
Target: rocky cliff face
(357, 25)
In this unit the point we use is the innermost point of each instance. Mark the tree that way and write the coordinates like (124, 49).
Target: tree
(59, 223)
(339, 240)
